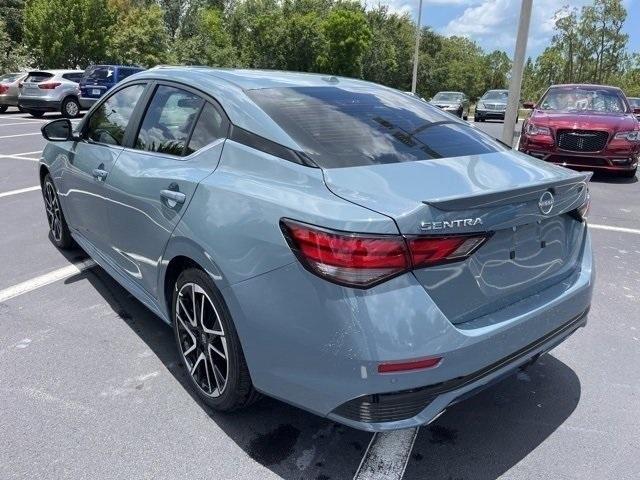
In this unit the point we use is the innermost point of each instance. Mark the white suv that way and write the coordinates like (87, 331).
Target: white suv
(51, 91)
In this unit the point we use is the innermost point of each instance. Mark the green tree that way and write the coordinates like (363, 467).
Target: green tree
(66, 33)
(139, 36)
(498, 66)
(11, 14)
(389, 58)
(208, 43)
(13, 57)
(347, 36)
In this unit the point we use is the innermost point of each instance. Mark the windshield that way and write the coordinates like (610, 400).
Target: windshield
(99, 73)
(580, 99)
(9, 77)
(496, 95)
(448, 97)
(347, 127)
(635, 102)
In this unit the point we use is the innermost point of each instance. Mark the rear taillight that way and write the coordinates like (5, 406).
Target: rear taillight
(49, 85)
(582, 212)
(363, 260)
(3, 89)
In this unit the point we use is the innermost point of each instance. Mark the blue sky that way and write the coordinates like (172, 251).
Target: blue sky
(492, 23)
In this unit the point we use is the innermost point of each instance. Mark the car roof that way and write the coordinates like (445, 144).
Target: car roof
(97, 65)
(450, 91)
(584, 85)
(55, 71)
(229, 87)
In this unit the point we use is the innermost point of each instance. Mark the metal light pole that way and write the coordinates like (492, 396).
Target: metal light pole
(513, 103)
(414, 80)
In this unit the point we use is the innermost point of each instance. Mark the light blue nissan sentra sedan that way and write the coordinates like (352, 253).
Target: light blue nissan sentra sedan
(329, 242)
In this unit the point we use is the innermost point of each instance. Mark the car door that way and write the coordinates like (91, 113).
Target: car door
(179, 142)
(90, 160)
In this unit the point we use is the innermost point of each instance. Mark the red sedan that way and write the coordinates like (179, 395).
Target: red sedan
(584, 126)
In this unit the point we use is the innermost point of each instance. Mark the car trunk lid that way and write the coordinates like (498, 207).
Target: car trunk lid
(504, 195)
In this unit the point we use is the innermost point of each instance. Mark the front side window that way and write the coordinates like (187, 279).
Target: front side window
(109, 121)
(168, 121)
(348, 127)
(577, 99)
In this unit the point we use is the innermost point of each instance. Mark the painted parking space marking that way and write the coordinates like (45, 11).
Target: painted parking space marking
(16, 123)
(610, 228)
(20, 190)
(387, 455)
(46, 279)
(19, 157)
(20, 135)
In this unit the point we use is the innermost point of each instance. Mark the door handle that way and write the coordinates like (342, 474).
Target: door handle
(100, 174)
(173, 196)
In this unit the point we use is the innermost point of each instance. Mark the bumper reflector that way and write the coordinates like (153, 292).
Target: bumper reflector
(395, 367)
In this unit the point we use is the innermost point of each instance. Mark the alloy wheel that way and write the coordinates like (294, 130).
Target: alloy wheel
(202, 339)
(72, 109)
(52, 207)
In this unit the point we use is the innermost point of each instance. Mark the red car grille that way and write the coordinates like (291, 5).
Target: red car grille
(582, 140)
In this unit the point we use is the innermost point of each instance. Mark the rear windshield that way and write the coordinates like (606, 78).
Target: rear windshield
(37, 77)
(581, 99)
(496, 95)
(100, 73)
(9, 77)
(341, 127)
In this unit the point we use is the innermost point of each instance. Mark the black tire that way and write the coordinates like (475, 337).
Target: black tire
(3, 108)
(70, 108)
(192, 340)
(58, 228)
(465, 117)
(35, 113)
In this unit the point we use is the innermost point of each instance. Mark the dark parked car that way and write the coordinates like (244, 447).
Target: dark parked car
(589, 126)
(456, 103)
(491, 106)
(98, 79)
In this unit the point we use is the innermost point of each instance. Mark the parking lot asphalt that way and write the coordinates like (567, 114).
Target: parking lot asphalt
(90, 385)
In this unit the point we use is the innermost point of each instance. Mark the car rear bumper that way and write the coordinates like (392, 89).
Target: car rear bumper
(8, 100)
(87, 102)
(317, 345)
(39, 104)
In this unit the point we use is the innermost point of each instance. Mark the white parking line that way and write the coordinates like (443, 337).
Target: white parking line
(21, 135)
(16, 123)
(595, 226)
(20, 190)
(46, 279)
(387, 455)
(19, 157)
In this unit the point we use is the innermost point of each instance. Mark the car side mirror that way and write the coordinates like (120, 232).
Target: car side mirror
(636, 110)
(529, 105)
(59, 130)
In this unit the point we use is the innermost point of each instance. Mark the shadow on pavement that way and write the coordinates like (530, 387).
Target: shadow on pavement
(480, 438)
(483, 437)
(292, 443)
(609, 177)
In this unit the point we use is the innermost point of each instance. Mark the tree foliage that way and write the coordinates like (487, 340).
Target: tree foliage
(138, 36)
(66, 33)
(342, 37)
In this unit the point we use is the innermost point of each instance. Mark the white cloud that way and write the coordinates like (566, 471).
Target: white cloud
(411, 6)
(493, 23)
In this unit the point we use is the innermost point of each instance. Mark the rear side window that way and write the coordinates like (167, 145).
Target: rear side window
(9, 77)
(74, 77)
(210, 127)
(168, 121)
(100, 73)
(109, 121)
(345, 127)
(125, 72)
(37, 77)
